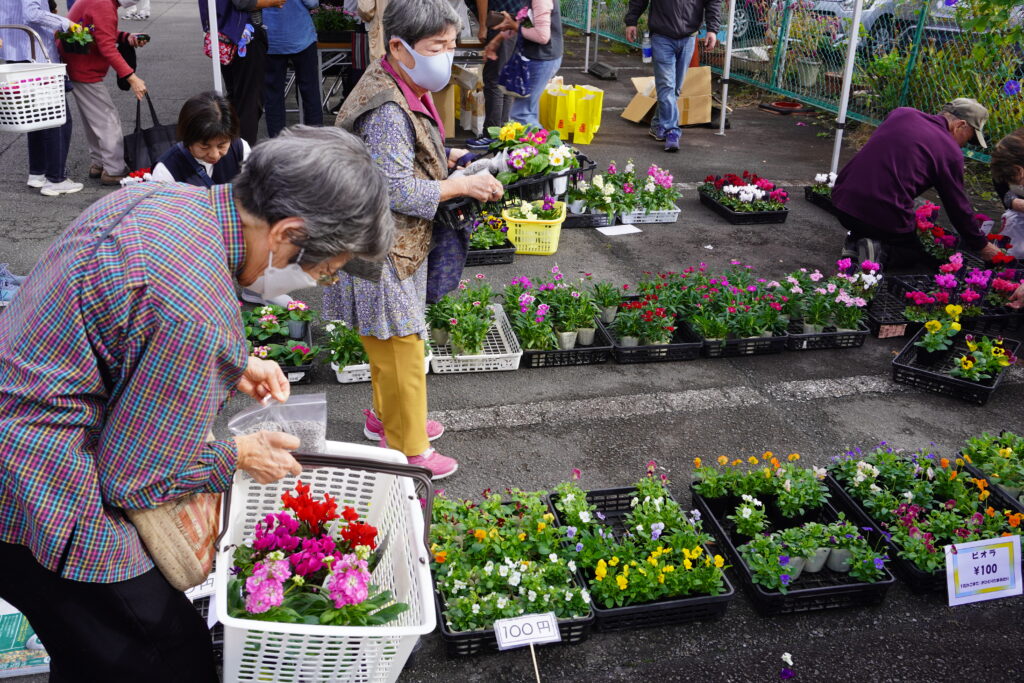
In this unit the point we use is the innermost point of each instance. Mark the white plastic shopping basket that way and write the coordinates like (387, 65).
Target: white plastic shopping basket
(32, 94)
(378, 483)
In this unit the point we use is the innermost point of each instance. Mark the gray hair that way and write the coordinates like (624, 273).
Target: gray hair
(326, 177)
(414, 20)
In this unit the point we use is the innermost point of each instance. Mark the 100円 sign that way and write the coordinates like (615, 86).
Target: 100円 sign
(529, 629)
(983, 570)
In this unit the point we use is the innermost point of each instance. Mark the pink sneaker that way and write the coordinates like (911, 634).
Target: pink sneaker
(374, 428)
(439, 465)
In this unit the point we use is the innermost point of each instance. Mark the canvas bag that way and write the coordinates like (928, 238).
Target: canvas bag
(143, 146)
(514, 79)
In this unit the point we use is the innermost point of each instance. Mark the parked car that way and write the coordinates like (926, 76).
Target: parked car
(750, 20)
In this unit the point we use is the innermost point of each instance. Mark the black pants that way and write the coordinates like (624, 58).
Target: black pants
(496, 103)
(136, 630)
(900, 249)
(307, 81)
(243, 79)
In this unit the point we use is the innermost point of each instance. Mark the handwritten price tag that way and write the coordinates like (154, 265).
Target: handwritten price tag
(529, 629)
(983, 570)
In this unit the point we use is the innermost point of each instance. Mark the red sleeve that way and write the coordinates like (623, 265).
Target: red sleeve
(105, 34)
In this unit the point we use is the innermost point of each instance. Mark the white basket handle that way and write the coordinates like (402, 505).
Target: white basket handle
(32, 35)
(310, 461)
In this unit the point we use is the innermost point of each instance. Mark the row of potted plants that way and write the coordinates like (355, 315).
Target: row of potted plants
(620, 194)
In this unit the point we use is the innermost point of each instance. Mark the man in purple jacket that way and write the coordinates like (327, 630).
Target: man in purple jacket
(910, 152)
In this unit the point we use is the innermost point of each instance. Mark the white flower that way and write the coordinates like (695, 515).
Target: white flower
(531, 596)
(930, 472)
(546, 598)
(476, 608)
(756, 502)
(502, 602)
(585, 594)
(553, 557)
(582, 186)
(640, 528)
(745, 512)
(831, 178)
(569, 497)
(649, 185)
(329, 327)
(787, 485)
(514, 579)
(821, 178)
(629, 166)
(787, 659)
(489, 567)
(608, 190)
(909, 496)
(747, 497)
(556, 158)
(599, 181)
(633, 503)
(874, 488)
(572, 566)
(568, 596)
(820, 472)
(585, 516)
(503, 570)
(658, 501)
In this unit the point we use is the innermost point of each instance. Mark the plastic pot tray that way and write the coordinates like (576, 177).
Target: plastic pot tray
(742, 217)
(595, 354)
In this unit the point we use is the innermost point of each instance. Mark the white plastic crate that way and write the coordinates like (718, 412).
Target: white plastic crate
(32, 97)
(501, 350)
(664, 216)
(350, 374)
(298, 653)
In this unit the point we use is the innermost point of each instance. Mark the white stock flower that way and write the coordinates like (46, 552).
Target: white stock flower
(821, 178)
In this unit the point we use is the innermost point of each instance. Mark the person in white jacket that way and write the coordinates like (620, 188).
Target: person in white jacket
(47, 148)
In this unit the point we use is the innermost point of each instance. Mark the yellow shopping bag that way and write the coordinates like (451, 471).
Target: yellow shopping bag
(586, 119)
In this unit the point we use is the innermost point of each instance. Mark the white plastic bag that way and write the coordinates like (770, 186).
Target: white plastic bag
(302, 415)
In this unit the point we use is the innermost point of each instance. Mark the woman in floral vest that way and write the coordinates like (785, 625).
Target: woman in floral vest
(392, 111)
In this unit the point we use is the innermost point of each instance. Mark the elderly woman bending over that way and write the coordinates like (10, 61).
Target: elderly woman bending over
(391, 109)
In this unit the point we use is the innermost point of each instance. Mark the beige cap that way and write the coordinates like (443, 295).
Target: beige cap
(971, 111)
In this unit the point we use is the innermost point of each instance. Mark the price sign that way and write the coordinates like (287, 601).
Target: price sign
(983, 570)
(202, 590)
(529, 629)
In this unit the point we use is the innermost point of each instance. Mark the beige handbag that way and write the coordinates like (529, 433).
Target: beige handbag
(180, 536)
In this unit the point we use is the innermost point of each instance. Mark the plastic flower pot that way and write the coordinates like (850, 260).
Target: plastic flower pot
(567, 340)
(439, 335)
(839, 560)
(577, 206)
(816, 562)
(807, 72)
(1012, 492)
(560, 184)
(585, 336)
(795, 567)
(608, 314)
(629, 341)
(297, 329)
(811, 328)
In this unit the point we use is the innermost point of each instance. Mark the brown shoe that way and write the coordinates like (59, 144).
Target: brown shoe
(95, 171)
(108, 179)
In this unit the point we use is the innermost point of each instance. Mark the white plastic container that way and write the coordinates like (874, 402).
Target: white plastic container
(32, 97)
(269, 651)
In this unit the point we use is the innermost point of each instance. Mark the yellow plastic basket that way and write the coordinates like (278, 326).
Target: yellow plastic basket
(535, 237)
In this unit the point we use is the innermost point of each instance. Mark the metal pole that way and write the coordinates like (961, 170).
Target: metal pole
(727, 67)
(781, 47)
(912, 62)
(844, 100)
(218, 82)
(586, 50)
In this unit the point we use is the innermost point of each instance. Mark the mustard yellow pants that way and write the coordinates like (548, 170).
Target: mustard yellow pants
(399, 391)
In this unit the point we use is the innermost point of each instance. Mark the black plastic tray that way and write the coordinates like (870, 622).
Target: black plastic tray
(799, 341)
(907, 370)
(752, 346)
(586, 220)
(832, 590)
(819, 200)
(885, 317)
(685, 346)
(917, 580)
(742, 217)
(595, 354)
(614, 504)
(458, 213)
(495, 256)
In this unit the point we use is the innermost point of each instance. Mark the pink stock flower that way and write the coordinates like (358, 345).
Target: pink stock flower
(348, 583)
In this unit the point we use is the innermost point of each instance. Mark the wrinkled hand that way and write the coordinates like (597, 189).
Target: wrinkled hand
(137, 85)
(265, 455)
(631, 34)
(482, 187)
(709, 41)
(263, 379)
(507, 24)
(989, 252)
(1017, 300)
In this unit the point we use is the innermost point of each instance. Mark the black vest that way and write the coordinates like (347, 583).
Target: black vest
(185, 169)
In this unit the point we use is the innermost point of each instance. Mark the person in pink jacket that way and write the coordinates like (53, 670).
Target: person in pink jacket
(99, 115)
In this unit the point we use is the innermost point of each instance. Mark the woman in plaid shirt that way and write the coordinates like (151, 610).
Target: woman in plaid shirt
(123, 344)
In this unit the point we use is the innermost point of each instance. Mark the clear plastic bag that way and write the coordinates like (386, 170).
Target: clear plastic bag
(302, 415)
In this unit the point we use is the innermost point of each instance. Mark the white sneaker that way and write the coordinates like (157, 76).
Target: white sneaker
(37, 181)
(142, 16)
(66, 186)
(131, 14)
(252, 297)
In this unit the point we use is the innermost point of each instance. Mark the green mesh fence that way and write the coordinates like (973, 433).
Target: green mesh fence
(911, 53)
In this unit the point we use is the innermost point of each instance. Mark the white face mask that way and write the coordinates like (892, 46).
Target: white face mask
(430, 72)
(277, 281)
(127, 3)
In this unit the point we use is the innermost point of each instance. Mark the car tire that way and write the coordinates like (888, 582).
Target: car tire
(883, 36)
(741, 22)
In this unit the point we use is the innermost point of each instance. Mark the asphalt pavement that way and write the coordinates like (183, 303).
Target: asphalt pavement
(529, 428)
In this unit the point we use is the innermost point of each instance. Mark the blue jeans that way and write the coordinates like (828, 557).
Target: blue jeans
(526, 110)
(307, 82)
(671, 58)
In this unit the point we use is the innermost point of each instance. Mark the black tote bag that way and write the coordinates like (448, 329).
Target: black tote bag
(143, 146)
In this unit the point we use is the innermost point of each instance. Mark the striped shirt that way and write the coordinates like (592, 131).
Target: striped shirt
(115, 358)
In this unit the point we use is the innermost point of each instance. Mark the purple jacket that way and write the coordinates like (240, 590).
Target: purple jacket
(908, 153)
(230, 20)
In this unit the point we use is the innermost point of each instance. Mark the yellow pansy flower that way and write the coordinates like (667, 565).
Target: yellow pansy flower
(541, 526)
(998, 351)
(737, 462)
(1005, 452)
(954, 311)
(752, 460)
(622, 581)
(722, 460)
(493, 533)
(697, 462)
(661, 578)
(955, 326)
(933, 326)
(653, 561)
(601, 571)
(719, 561)
(669, 569)
(697, 551)
(522, 536)
(971, 346)
(480, 534)
(613, 562)
(687, 564)
(767, 473)
(548, 517)
(966, 363)
(793, 457)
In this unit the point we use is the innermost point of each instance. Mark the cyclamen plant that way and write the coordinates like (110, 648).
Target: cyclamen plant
(748, 192)
(823, 183)
(310, 564)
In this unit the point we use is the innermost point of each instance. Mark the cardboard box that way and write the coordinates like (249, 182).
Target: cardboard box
(694, 98)
(445, 103)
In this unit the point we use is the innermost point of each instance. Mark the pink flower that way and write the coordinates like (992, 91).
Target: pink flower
(576, 474)
(296, 305)
(264, 587)
(299, 348)
(348, 583)
(311, 558)
(611, 169)
(946, 281)
(870, 266)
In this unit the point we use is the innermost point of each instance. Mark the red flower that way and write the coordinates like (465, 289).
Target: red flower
(360, 533)
(349, 514)
(313, 513)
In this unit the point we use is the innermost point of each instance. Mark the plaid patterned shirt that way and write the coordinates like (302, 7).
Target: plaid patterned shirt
(115, 357)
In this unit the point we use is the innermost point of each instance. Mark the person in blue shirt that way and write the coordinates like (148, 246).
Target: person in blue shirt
(292, 40)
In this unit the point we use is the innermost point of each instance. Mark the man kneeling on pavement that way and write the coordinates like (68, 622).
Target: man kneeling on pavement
(910, 152)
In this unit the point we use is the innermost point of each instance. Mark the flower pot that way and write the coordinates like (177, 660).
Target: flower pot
(816, 562)
(807, 72)
(795, 568)
(75, 48)
(811, 328)
(439, 335)
(559, 185)
(926, 357)
(608, 314)
(566, 340)
(577, 206)
(629, 341)
(297, 329)
(585, 336)
(839, 560)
